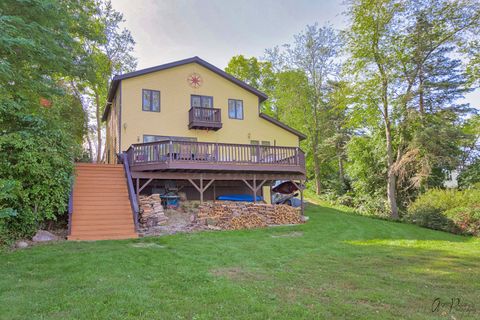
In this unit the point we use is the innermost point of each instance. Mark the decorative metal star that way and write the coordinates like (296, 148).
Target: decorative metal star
(195, 80)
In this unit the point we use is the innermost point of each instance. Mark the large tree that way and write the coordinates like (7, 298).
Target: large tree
(108, 55)
(256, 73)
(314, 53)
(401, 56)
(41, 124)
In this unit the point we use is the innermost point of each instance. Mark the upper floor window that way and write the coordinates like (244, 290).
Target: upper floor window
(150, 100)
(201, 101)
(235, 109)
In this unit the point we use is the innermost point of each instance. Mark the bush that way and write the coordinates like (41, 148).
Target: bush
(448, 210)
(465, 220)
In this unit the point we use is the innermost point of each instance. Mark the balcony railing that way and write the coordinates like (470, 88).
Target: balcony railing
(213, 156)
(204, 118)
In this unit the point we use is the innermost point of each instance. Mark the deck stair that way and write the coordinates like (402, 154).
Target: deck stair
(101, 206)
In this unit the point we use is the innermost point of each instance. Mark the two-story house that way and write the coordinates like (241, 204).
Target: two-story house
(189, 125)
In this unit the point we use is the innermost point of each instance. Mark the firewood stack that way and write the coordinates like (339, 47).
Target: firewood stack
(151, 211)
(243, 215)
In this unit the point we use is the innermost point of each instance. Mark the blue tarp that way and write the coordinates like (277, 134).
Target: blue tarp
(238, 197)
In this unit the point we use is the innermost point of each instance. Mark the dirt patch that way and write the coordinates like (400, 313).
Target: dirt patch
(238, 274)
(178, 221)
(293, 234)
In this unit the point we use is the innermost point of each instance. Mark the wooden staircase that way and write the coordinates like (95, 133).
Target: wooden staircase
(101, 206)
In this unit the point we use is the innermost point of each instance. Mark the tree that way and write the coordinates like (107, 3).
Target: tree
(315, 53)
(401, 49)
(41, 124)
(107, 55)
(255, 73)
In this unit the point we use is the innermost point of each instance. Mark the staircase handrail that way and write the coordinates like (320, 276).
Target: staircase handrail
(131, 191)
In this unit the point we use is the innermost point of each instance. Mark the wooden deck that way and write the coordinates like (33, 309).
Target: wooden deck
(210, 157)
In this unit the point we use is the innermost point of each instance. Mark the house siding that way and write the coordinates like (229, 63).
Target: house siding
(172, 120)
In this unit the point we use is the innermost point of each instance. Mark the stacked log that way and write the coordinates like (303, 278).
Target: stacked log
(242, 215)
(151, 211)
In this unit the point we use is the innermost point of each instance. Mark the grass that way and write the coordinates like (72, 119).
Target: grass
(337, 266)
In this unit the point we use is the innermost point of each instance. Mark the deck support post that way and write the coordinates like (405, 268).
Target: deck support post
(214, 192)
(254, 187)
(138, 188)
(300, 188)
(201, 188)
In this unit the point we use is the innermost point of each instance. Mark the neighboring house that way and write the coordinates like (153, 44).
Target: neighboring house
(451, 179)
(183, 126)
(190, 120)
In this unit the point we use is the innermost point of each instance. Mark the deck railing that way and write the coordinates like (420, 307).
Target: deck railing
(204, 118)
(211, 152)
(204, 114)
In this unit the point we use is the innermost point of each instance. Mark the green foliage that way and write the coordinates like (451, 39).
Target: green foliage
(258, 74)
(447, 210)
(41, 45)
(470, 176)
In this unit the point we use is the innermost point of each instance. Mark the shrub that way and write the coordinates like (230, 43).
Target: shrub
(465, 220)
(448, 210)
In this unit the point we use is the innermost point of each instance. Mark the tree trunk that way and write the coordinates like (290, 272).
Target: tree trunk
(341, 174)
(421, 101)
(90, 147)
(99, 127)
(316, 164)
(391, 178)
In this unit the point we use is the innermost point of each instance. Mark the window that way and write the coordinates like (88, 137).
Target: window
(263, 143)
(197, 101)
(154, 138)
(150, 100)
(235, 109)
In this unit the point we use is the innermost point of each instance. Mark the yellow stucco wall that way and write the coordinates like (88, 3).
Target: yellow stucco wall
(172, 120)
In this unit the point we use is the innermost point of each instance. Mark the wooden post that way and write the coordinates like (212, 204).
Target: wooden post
(214, 192)
(138, 188)
(254, 189)
(201, 190)
(302, 207)
(300, 188)
(271, 195)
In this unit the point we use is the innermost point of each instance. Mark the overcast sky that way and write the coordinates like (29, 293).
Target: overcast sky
(216, 30)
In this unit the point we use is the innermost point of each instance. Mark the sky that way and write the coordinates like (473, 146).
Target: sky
(216, 30)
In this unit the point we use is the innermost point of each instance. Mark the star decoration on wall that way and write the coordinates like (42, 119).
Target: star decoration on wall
(195, 80)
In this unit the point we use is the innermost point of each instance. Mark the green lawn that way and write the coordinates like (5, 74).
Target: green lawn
(337, 266)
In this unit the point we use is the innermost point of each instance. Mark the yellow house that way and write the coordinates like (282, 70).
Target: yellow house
(189, 125)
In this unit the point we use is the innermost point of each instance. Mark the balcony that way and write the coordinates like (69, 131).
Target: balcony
(215, 157)
(204, 118)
